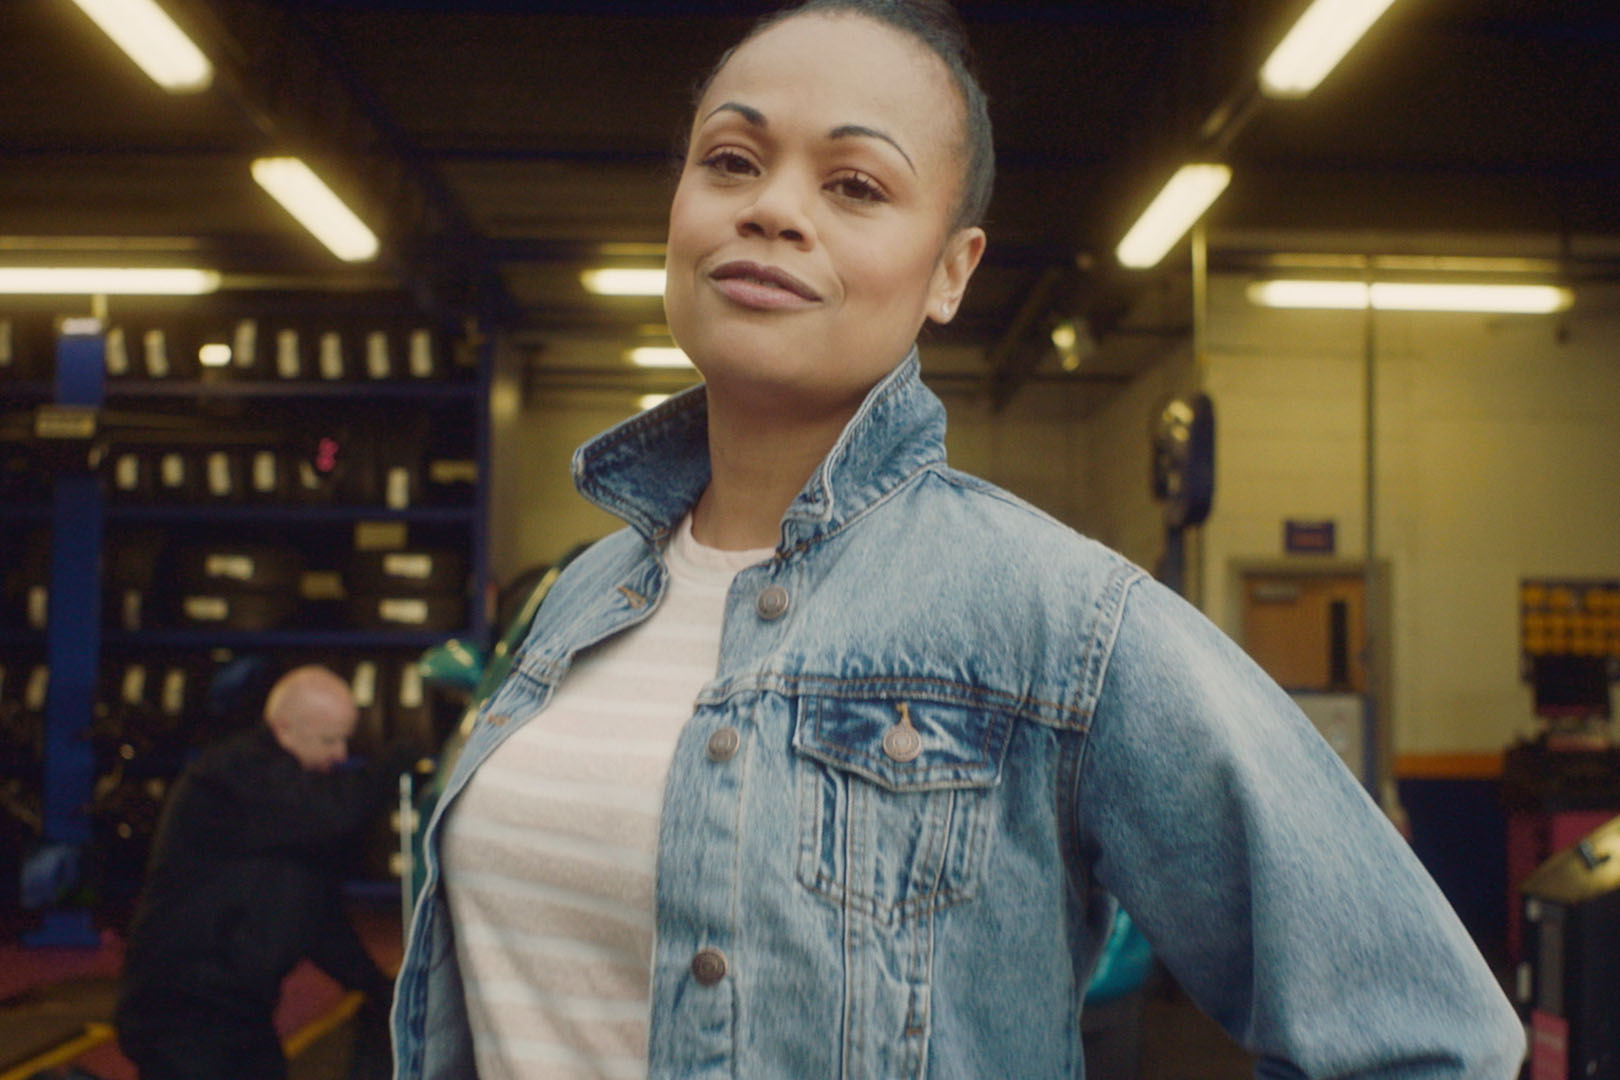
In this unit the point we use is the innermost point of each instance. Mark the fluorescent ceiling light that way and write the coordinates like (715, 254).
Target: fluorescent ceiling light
(658, 356)
(1171, 213)
(1315, 45)
(106, 281)
(1342, 295)
(1413, 296)
(153, 41)
(306, 197)
(1507, 299)
(623, 281)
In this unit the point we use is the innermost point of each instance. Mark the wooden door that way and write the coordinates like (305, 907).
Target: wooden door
(1307, 630)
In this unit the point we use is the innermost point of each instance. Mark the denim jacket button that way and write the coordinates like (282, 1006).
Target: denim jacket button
(902, 743)
(723, 743)
(709, 966)
(772, 602)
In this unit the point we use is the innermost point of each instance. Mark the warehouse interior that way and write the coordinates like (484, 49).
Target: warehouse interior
(1412, 521)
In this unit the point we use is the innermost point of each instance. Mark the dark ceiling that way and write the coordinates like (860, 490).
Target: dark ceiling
(499, 147)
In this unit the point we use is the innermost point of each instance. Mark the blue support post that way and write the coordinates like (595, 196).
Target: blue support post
(73, 643)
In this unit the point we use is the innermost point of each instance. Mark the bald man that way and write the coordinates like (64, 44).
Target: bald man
(244, 882)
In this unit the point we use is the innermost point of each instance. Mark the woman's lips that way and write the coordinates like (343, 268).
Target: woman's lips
(755, 285)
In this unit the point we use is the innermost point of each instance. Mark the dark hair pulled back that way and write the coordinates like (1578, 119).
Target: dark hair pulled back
(936, 25)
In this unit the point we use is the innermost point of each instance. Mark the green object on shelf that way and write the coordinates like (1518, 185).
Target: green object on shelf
(454, 665)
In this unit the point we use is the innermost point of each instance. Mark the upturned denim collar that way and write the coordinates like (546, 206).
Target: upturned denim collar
(650, 469)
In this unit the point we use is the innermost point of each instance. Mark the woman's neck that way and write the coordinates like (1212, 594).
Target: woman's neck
(759, 461)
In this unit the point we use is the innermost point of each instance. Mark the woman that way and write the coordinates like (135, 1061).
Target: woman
(835, 760)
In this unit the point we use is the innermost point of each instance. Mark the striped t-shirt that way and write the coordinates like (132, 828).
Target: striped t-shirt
(549, 852)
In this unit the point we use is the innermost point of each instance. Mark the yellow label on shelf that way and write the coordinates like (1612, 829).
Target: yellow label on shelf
(321, 585)
(398, 488)
(410, 687)
(206, 608)
(421, 353)
(377, 362)
(453, 471)
(219, 474)
(39, 681)
(174, 691)
(245, 343)
(116, 351)
(172, 470)
(287, 363)
(331, 355)
(364, 684)
(379, 535)
(264, 470)
(221, 565)
(408, 565)
(157, 354)
(407, 610)
(133, 689)
(131, 609)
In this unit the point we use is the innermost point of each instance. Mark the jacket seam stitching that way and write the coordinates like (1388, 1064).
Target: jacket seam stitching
(1095, 682)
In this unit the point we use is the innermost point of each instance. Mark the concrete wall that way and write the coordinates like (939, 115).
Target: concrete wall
(1498, 458)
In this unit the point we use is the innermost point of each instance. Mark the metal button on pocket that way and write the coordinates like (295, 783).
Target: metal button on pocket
(723, 744)
(901, 742)
(709, 966)
(498, 720)
(772, 602)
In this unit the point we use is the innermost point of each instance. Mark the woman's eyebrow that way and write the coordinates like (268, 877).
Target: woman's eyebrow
(757, 119)
(748, 113)
(845, 130)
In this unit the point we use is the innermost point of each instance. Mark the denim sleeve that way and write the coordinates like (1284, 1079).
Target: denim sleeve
(1274, 889)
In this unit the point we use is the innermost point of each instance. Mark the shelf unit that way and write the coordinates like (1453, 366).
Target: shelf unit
(86, 646)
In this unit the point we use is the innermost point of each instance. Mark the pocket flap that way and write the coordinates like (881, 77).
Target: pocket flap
(957, 746)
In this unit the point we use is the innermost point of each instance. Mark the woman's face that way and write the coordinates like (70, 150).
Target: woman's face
(810, 232)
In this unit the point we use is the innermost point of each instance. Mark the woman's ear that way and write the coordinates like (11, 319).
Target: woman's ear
(956, 265)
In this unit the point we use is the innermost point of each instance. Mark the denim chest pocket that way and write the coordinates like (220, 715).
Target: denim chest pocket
(895, 801)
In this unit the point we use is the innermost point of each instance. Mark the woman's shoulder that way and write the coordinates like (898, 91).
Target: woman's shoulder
(982, 520)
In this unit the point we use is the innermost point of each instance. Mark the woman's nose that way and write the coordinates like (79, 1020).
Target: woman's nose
(778, 212)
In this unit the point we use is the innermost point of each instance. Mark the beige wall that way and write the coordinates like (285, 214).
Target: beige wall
(1498, 458)
(535, 513)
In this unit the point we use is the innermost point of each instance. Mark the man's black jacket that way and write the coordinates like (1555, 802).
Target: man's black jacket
(244, 881)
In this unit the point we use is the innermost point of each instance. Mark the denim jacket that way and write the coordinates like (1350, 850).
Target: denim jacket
(945, 736)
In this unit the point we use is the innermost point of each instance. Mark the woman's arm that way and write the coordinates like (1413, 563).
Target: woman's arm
(1267, 880)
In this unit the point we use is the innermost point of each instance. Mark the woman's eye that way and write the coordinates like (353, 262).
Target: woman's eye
(728, 162)
(858, 187)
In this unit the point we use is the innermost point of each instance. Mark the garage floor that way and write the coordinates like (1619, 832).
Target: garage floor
(62, 1000)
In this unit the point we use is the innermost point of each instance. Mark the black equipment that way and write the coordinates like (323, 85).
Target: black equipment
(1570, 979)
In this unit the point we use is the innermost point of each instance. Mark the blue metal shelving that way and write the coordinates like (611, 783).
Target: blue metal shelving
(213, 638)
(291, 389)
(78, 515)
(202, 512)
